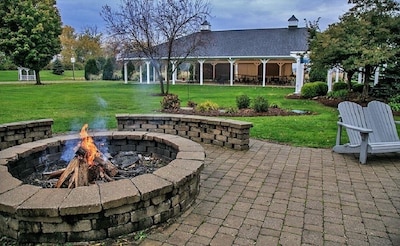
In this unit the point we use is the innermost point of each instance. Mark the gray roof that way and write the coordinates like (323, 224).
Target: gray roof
(253, 42)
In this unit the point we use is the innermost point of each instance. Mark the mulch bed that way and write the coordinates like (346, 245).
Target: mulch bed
(239, 113)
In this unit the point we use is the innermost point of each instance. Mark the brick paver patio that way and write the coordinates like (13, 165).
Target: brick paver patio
(275, 194)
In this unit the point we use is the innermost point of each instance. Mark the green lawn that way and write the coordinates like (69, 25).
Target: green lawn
(73, 104)
(45, 75)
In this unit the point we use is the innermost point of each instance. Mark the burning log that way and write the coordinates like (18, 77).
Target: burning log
(53, 174)
(86, 166)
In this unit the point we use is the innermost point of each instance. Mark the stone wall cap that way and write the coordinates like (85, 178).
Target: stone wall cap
(118, 193)
(82, 200)
(10, 200)
(44, 203)
(150, 185)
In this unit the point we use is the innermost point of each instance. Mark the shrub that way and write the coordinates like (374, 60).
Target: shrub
(339, 94)
(274, 105)
(58, 67)
(358, 87)
(191, 104)
(260, 104)
(314, 89)
(91, 69)
(108, 70)
(394, 103)
(242, 101)
(231, 110)
(171, 102)
(207, 106)
(339, 86)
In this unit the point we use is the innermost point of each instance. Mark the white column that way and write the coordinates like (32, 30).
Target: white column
(280, 64)
(376, 78)
(141, 73)
(264, 72)
(173, 72)
(360, 75)
(337, 75)
(201, 62)
(231, 61)
(236, 71)
(213, 70)
(299, 76)
(126, 72)
(148, 71)
(154, 74)
(329, 79)
(166, 71)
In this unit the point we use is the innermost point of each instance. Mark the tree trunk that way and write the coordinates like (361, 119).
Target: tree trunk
(38, 82)
(349, 76)
(367, 75)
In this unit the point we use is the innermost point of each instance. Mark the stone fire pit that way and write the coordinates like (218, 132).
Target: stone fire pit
(33, 214)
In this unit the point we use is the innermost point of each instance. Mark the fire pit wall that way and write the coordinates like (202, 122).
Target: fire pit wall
(33, 214)
(210, 130)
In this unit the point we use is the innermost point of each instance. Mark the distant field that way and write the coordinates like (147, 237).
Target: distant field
(45, 75)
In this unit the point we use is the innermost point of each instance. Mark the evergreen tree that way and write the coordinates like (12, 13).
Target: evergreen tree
(108, 70)
(91, 69)
(58, 67)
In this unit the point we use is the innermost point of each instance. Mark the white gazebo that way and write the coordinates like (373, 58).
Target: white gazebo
(26, 74)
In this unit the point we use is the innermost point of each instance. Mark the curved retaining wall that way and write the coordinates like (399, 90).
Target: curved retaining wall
(222, 132)
(16, 133)
(33, 214)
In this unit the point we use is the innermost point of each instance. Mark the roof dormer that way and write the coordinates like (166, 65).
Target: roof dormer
(293, 22)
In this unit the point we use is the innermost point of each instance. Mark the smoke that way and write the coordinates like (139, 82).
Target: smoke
(69, 150)
(99, 123)
(101, 102)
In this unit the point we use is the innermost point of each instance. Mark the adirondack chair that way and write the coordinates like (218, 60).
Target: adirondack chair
(370, 129)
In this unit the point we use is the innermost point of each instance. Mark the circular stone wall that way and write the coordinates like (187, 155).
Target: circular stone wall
(33, 214)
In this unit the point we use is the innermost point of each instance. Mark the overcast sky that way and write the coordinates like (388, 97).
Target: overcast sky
(226, 14)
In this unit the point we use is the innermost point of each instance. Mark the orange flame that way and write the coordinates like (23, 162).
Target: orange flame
(88, 145)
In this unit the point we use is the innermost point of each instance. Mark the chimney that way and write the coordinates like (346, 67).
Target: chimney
(205, 26)
(293, 22)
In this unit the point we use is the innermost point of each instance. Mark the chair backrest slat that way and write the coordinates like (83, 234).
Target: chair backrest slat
(380, 119)
(352, 114)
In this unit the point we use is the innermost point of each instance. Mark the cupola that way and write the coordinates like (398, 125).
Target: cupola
(205, 26)
(293, 22)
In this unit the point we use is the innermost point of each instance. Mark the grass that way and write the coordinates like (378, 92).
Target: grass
(71, 105)
(45, 75)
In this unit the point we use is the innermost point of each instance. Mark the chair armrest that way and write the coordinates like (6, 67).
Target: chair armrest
(356, 128)
(397, 122)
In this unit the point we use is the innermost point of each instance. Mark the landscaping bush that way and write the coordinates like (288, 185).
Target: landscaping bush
(171, 102)
(207, 106)
(358, 87)
(339, 86)
(310, 90)
(260, 104)
(191, 104)
(242, 101)
(394, 103)
(339, 94)
(58, 67)
(108, 70)
(231, 110)
(91, 68)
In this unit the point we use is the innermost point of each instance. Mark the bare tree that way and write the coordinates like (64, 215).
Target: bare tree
(155, 29)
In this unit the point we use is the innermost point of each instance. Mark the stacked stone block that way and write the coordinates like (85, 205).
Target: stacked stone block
(16, 133)
(222, 132)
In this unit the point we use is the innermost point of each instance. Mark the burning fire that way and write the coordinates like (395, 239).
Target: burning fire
(88, 145)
